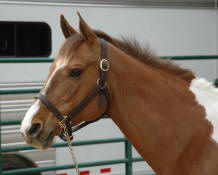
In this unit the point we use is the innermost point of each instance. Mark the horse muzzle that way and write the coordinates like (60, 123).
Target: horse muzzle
(38, 137)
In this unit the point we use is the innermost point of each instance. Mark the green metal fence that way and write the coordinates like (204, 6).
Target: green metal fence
(128, 160)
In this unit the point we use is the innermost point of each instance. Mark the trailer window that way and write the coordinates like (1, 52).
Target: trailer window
(25, 39)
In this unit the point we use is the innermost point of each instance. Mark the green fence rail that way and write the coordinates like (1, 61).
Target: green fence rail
(49, 60)
(26, 60)
(192, 57)
(63, 144)
(128, 160)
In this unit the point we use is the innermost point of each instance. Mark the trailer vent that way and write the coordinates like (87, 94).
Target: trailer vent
(25, 39)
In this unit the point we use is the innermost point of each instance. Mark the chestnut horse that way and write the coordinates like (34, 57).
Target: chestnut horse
(168, 114)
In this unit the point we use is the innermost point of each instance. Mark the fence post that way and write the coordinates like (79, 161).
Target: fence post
(128, 156)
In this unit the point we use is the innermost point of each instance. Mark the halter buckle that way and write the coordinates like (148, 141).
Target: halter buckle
(104, 65)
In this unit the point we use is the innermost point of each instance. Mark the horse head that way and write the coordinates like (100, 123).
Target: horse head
(73, 74)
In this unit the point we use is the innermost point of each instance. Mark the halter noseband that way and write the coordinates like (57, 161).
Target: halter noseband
(100, 88)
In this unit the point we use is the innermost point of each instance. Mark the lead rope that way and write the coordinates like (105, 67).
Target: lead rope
(69, 143)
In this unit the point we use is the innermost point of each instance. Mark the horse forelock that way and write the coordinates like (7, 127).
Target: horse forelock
(69, 48)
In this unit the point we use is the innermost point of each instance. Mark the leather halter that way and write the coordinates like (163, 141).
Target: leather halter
(100, 88)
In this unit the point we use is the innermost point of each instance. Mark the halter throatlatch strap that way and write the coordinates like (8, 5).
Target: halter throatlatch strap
(100, 88)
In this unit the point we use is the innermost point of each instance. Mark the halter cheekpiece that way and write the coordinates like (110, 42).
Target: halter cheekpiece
(100, 88)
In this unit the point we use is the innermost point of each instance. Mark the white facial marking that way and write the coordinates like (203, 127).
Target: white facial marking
(49, 82)
(27, 121)
(207, 96)
(59, 65)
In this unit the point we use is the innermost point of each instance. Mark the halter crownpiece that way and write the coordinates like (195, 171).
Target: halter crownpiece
(100, 88)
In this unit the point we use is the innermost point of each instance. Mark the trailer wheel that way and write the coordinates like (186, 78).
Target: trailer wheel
(17, 161)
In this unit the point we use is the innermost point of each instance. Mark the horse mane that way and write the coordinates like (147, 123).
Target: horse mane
(147, 56)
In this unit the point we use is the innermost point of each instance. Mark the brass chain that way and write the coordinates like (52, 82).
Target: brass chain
(69, 143)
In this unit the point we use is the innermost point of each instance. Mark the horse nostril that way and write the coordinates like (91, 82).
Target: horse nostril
(35, 129)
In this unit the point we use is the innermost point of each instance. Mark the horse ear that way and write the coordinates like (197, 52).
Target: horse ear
(86, 31)
(66, 28)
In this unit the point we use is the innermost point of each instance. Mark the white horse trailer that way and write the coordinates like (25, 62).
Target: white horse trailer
(31, 29)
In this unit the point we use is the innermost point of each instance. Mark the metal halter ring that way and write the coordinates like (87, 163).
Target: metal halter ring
(63, 121)
(101, 87)
(104, 65)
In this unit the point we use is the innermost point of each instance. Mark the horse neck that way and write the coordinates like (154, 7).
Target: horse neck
(140, 107)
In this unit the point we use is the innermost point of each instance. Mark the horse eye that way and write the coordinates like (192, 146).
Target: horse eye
(76, 72)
